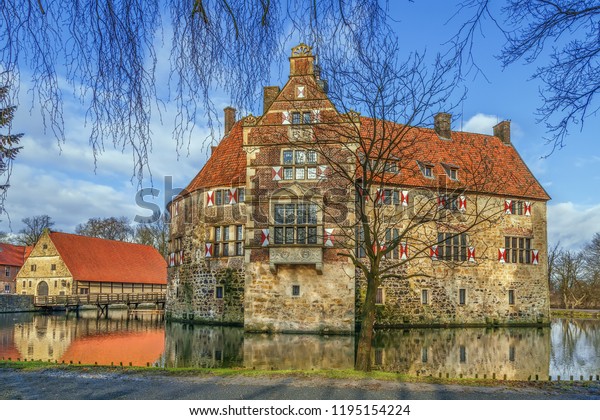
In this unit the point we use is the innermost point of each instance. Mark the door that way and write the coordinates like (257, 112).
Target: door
(42, 289)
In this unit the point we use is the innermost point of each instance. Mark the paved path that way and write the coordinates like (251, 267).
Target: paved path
(53, 384)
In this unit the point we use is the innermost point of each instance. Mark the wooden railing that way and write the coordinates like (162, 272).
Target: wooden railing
(100, 299)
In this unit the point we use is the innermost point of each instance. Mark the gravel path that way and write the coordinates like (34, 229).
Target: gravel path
(53, 384)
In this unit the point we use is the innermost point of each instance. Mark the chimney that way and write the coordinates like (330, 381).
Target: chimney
(229, 119)
(269, 95)
(302, 61)
(442, 125)
(212, 149)
(502, 131)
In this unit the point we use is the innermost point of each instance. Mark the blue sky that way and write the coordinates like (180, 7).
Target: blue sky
(60, 180)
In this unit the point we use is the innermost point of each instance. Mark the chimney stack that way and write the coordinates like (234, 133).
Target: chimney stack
(502, 131)
(229, 119)
(302, 61)
(269, 95)
(442, 125)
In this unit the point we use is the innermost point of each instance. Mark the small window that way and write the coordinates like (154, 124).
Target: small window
(462, 296)
(511, 297)
(84, 291)
(380, 297)
(311, 157)
(463, 354)
(288, 157)
(295, 290)
(24, 283)
(288, 173)
(219, 292)
(53, 267)
(216, 250)
(7, 288)
(511, 353)
(33, 267)
(241, 195)
(425, 297)
(295, 118)
(29, 283)
(306, 118)
(452, 174)
(239, 248)
(7, 271)
(218, 197)
(424, 355)
(55, 284)
(45, 246)
(428, 171)
(218, 234)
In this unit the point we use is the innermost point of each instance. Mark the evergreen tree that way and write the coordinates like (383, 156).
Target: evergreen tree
(8, 144)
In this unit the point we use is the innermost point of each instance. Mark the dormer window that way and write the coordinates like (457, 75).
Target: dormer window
(451, 171)
(426, 169)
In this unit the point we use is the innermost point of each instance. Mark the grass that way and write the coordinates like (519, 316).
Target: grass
(336, 374)
(564, 313)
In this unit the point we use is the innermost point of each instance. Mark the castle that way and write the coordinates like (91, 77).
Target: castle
(268, 234)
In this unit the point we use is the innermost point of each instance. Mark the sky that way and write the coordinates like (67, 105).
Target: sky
(62, 180)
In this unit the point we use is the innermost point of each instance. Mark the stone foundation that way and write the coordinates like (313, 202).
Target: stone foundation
(16, 303)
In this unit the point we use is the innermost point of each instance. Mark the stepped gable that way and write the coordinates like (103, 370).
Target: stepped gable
(103, 260)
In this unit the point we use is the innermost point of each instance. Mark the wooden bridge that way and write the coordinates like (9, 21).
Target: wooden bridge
(100, 300)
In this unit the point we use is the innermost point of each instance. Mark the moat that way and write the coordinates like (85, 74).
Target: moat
(567, 347)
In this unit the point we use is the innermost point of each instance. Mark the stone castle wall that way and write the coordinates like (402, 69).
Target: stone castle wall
(16, 303)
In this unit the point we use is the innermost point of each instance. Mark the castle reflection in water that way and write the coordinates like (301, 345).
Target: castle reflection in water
(566, 348)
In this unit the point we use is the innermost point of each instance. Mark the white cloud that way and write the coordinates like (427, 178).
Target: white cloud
(481, 123)
(573, 225)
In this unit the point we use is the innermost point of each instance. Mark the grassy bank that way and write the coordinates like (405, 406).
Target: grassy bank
(574, 313)
(342, 374)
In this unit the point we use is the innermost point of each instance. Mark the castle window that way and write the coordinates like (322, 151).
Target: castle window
(380, 296)
(426, 169)
(425, 297)
(453, 246)
(462, 296)
(239, 237)
(395, 253)
(295, 118)
(219, 292)
(241, 195)
(463, 354)
(295, 223)
(306, 118)
(295, 290)
(302, 164)
(511, 297)
(517, 250)
(219, 197)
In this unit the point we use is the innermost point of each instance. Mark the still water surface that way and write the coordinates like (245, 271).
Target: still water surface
(568, 347)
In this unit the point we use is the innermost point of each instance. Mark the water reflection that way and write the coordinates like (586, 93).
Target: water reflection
(568, 347)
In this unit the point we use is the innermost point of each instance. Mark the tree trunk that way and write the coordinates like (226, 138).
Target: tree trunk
(365, 338)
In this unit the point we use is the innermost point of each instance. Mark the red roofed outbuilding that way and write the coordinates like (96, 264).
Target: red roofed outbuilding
(65, 264)
(11, 261)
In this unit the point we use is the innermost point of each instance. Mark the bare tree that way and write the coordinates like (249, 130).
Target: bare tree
(34, 227)
(560, 37)
(117, 229)
(370, 156)
(569, 279)
(110, 52)
(154, 234)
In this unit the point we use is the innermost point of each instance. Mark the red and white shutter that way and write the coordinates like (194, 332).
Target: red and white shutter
(210, 198)
(535, 257)
(322, 171)
(403, 250)
(316, 115)
(462, 203)
(363, 193)
(441, 201)
(277, 173)
(501, 255)
(300, 91)
(508, 207)
(434, 252)
(527, 208)
(208, 250)
(233, 196)
(285, 117)
(404, 198)
(379, 196)
(329, 238)
(171, 259)
(471, 254)
(264, 237)
(181, 257)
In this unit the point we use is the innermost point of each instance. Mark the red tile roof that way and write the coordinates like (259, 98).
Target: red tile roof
(102, 260)
(226, 166)
(13, 255)
(484, 157)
